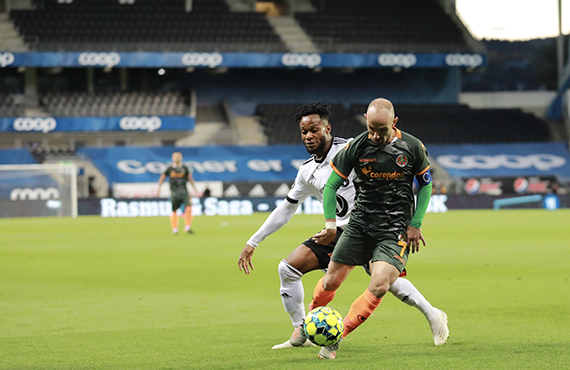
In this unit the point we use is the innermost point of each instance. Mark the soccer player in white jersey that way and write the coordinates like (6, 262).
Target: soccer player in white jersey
(315, 129)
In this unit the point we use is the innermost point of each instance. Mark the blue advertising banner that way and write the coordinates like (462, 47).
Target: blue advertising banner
(503, 160)
(243, 60)
(16, 156)
(88, 124)
(208, 163)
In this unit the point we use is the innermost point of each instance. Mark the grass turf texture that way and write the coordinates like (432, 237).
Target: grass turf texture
(96, 293)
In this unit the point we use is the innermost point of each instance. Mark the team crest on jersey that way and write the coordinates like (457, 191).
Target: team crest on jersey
(402, 161)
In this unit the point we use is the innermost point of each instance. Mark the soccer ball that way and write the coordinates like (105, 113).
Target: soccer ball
(323, 326)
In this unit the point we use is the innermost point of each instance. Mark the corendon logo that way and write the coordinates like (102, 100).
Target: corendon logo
(391, 176)
(397, 60)
(6, 59)
(99, 59)
(149, 124)
(301, 60)
(43, 124)
(202, 59)
(464, 60)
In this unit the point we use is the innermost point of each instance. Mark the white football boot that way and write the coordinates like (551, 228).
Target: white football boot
(439, 329)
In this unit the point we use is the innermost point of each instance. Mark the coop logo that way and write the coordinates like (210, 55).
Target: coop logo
(43, 124)
(463, 60)
(202, 59)
(6, 59)
(397, 60)
(301, 60)
(542, 162)
(149, 124)
(34, 194)
(99, 59)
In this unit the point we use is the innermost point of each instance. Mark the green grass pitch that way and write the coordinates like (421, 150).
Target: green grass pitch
(96, 293)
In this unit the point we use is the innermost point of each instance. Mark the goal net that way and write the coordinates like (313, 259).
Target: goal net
(38, 190)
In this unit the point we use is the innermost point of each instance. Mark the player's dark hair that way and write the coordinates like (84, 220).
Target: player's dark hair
(177, 151)
(323, 110)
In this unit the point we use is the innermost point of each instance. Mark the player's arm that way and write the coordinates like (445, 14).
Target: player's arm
(277, 219)
(334, 182)
(160, 181)
(193, 183)
(414, 232)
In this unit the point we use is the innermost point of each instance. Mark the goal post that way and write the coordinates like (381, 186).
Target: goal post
(38, 190)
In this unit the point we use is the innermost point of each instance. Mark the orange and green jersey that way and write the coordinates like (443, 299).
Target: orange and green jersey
(178, 177)
(383, 178)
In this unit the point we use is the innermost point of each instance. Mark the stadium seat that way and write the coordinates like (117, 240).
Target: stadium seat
(149, 25)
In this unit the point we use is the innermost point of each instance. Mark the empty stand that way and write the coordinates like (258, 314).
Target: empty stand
(458, 124)
(116, 104)
(382, 26)
(149, 25)
(11, 106)
(280, 127)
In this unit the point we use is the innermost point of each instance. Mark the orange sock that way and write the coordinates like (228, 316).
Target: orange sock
(321, 297)
(188, 216)
(360, 310)
(174, 220)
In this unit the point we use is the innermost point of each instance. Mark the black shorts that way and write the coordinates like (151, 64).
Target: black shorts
(178, 200)
(323, 252)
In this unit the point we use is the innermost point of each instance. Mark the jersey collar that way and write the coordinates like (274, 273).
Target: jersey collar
(322, 159)
(396, 137)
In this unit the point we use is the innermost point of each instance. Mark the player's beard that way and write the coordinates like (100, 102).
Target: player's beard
(319, 149)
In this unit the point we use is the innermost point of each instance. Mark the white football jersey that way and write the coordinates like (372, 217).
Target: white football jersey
(312, 178)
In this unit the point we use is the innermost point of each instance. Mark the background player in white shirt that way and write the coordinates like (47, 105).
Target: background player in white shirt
(311, 178)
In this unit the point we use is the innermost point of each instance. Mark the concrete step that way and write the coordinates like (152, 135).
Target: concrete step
(250, 131)
(292, 34)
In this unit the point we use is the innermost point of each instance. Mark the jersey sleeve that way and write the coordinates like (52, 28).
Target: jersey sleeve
(167, 171)
(188, 171)
(421, 160)
(345, 160)
(299, 191)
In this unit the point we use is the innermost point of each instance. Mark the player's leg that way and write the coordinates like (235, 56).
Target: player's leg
(188, 217)
(326, 287)
(176, 202)
(405, 291)
(383, 275)
(291, 270)
(298, 263)
(309, 256)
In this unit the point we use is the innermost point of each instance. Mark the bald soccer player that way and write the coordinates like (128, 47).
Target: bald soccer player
(385, 224)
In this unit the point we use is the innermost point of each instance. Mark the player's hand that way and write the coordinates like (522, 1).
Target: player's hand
(158, 193)
(325, 237)
(414, 236)
(244, 261)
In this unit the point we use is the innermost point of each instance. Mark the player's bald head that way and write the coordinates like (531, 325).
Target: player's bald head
(380, 110)
(381, 121)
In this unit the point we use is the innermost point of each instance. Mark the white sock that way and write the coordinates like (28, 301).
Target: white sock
(175, 230)
(406, 292)
(292, 293)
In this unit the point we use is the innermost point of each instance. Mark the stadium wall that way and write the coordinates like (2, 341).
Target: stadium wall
(211, 206)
